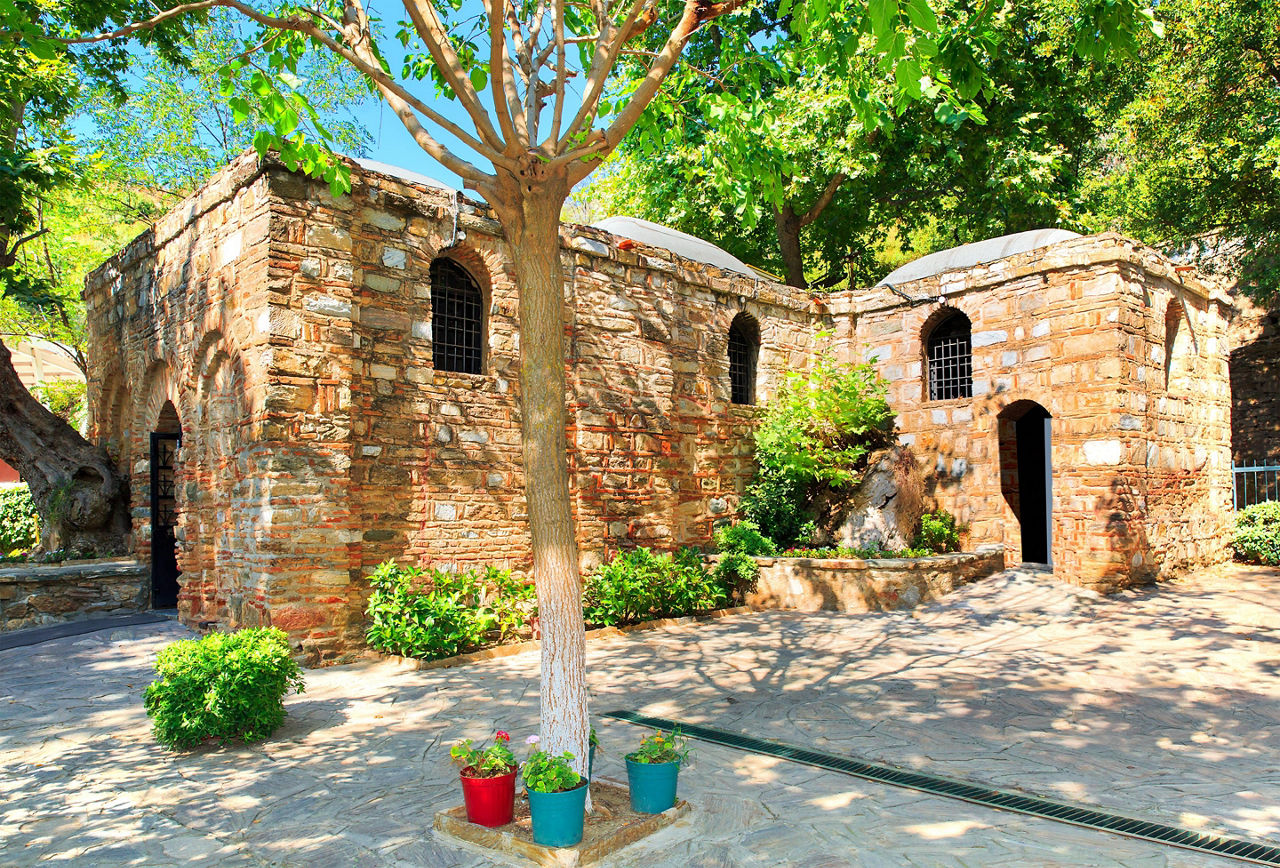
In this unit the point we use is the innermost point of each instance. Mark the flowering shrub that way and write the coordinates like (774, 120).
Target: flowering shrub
(662, 747)
(491, 762)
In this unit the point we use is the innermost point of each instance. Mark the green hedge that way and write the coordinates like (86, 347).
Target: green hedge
(19, 523)
(434, 613)
(639, 585)
(1257, 536)
(223, 686)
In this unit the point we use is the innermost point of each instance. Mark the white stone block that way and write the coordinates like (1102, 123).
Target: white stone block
(446, 512)
(989, 338)
(394, 257)
(328, 305)
(1103, 452)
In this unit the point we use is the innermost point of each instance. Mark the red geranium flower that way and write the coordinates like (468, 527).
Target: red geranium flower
(503, 736)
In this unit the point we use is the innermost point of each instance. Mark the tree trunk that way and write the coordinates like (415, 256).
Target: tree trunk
(788, 224)
(83, 502)
(530, 218)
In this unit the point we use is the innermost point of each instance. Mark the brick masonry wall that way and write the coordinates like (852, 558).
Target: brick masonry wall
(1255, 384)
(34, 595)
(1140, 469)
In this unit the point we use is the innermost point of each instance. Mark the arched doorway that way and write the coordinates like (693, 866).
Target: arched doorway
(164, 558)
(1026, 476)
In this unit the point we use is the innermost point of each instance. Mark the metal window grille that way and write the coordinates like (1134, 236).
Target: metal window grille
(742, 363)
(1256, 482)
(457, 318)
(950, 361)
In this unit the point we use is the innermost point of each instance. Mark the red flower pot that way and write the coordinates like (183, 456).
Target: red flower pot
(490, 801)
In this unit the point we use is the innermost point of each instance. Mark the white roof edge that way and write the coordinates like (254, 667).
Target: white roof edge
(402, 173)
(975, 253)
(679, 243)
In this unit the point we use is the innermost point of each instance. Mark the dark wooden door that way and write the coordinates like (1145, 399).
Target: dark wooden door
(164, 559)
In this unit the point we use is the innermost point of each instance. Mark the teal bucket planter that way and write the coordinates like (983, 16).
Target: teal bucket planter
(653, 786)
(558, 817)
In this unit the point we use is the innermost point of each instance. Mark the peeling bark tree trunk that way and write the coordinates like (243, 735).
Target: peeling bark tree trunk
(531, 222)
(83, 502)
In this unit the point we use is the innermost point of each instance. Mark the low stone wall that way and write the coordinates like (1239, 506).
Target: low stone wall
(852, 585)
(33, 595)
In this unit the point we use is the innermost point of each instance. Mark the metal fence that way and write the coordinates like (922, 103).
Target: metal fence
(1255, 483)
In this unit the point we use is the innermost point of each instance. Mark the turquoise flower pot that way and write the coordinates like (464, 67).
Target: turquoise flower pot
(653, 786)
(558, 817)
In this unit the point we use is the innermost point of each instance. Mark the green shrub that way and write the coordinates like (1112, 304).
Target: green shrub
(814, 437)
(434, 613)
(224, 686)
(738, 545)
(856, 552)
(1257, 536)
(938, 533)
(639, 585)
(19, 523)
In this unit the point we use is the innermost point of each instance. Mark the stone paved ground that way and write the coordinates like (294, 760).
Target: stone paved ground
(1164, 704)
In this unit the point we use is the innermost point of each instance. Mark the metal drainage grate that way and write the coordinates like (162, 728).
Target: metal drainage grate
(1089, 818)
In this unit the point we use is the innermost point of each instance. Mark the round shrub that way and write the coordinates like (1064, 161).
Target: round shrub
(1257, 536)
(738, 545)
(938, 533)
(224, 686)
(19, 524)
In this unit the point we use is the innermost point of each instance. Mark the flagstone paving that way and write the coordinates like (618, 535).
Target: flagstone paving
(1164, 704)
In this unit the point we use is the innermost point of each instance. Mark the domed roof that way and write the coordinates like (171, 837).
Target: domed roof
(401, 173)
(969, 255)
(679, 243)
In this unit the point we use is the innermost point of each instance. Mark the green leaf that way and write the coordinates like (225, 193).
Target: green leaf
(479, 78)
(922, 15)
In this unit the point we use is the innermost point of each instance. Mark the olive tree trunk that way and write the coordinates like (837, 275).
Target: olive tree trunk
(82, 500)
(530, 216)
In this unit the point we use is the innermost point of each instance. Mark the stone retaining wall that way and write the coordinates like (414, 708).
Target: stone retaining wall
(35, 595)
(852, 585)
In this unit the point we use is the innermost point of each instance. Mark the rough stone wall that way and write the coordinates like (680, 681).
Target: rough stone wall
(852, 585)
(1140, 471)
(1255, 384)
(34, 595)
(320, 440)
(180, 317)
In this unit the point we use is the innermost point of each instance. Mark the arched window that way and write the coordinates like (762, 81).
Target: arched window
(949, 353)
(744, 349)
(457, 319)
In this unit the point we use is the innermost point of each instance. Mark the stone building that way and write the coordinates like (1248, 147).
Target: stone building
(342, 374)
(1071, 397)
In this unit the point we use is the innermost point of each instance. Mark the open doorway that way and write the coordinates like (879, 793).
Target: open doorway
(1026, 476)
(164, 557)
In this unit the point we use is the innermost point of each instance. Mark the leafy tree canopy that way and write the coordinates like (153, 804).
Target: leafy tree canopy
(800, 157)
(1195, 155)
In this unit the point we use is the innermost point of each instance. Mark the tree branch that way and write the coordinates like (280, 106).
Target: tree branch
(392, 91)
(824, 200)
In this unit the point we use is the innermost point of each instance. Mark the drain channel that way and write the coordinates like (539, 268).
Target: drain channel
(1036, 806)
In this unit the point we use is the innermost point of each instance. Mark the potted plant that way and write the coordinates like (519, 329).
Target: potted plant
(557, 798)
(653, 769)
(488, 780)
